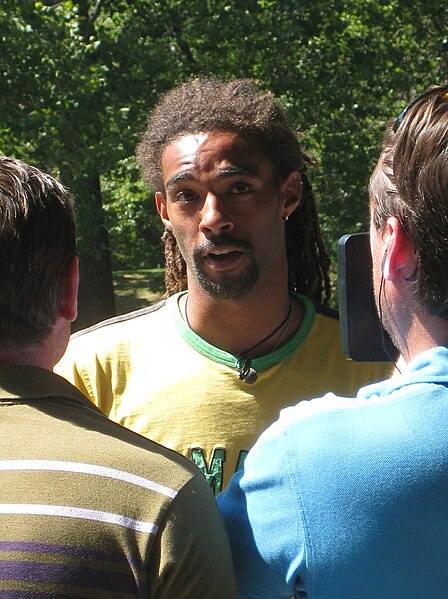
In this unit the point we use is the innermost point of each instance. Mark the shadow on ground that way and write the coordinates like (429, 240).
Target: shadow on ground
(137, 289)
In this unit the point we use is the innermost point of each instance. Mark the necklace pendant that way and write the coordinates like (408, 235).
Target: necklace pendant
(247, 373)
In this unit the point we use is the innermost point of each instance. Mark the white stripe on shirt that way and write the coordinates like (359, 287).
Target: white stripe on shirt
(74, 512)
(93, 469)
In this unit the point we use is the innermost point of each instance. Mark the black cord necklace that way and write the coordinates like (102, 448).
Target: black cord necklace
(247, 373)
(276, 330)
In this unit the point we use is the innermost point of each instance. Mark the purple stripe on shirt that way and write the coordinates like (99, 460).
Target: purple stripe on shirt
(62, 550)
(28, 595)
(68, 575)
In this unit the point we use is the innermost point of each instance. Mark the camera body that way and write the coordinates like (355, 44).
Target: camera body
(362, 336)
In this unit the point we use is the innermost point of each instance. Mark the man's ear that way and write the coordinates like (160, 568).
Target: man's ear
(291, 192)
(401, 259)
(162, 210)
(68, 308)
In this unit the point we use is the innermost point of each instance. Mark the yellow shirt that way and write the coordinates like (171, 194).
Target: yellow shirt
(150, 372)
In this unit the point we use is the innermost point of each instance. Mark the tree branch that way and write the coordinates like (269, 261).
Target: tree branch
(96, 11)
(184, 47)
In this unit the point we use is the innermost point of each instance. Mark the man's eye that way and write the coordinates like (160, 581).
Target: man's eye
(185, 196)
(240, 188)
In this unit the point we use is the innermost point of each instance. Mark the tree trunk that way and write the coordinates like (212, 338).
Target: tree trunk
(96, 295)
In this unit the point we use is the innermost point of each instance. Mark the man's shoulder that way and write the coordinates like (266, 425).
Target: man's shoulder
(112, 345)
(121, 321)
(327, 312)
(325, 340)
(120, 448)
(325, 325)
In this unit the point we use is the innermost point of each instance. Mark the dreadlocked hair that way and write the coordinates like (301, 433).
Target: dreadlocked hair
(239, 106)
(308, 261)
(175, 267)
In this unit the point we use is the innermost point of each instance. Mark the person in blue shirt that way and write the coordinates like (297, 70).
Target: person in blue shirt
(348, 497)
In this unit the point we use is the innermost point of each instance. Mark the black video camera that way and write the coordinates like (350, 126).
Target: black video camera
(362, 335)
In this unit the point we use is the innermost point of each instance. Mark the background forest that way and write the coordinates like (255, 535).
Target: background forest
(77, 78)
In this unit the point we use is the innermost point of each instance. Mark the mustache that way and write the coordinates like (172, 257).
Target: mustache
(217, 241)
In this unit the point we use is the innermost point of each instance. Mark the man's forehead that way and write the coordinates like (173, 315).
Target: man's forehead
(188, 144)
(226, 152)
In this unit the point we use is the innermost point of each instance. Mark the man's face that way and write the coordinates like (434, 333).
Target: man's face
(226, 210)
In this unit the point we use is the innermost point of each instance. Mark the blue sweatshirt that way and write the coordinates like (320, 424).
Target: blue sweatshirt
(347, 498)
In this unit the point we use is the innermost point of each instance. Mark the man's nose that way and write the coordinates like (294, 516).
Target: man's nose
(214, 216)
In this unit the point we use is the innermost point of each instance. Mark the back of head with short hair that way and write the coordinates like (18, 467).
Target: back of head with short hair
(239, 106)
(37, 241)
(410, 182)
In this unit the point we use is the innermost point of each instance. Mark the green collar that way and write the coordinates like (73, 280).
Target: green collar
(222, 357)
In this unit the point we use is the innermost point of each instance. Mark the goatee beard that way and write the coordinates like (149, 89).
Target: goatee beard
(229, 286)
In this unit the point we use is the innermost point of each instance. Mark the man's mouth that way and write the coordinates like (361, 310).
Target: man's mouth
(222, 258)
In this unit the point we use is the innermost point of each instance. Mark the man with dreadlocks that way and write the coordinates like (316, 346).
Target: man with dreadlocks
(241, 333)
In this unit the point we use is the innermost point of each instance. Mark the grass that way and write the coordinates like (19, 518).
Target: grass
(137, 288)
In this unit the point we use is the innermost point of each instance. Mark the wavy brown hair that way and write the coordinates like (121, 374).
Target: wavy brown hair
(410, 182)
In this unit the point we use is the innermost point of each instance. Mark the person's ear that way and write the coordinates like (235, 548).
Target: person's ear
(162, 210)
(291, 192)
(68, 308)
(400, 259)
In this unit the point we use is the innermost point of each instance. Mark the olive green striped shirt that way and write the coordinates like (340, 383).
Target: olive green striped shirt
(90, 509)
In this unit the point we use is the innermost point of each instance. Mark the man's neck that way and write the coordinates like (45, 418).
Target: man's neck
(239, 324)
(27, 356)
(425, 332)
(44, 354)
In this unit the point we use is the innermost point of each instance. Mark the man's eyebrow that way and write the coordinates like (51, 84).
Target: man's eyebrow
(185, 176)
(232, 171)
(229, 171)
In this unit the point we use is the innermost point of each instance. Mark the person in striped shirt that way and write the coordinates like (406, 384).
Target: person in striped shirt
(87, 507)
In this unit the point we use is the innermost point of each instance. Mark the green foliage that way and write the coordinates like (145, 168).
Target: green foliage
(134, 226)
